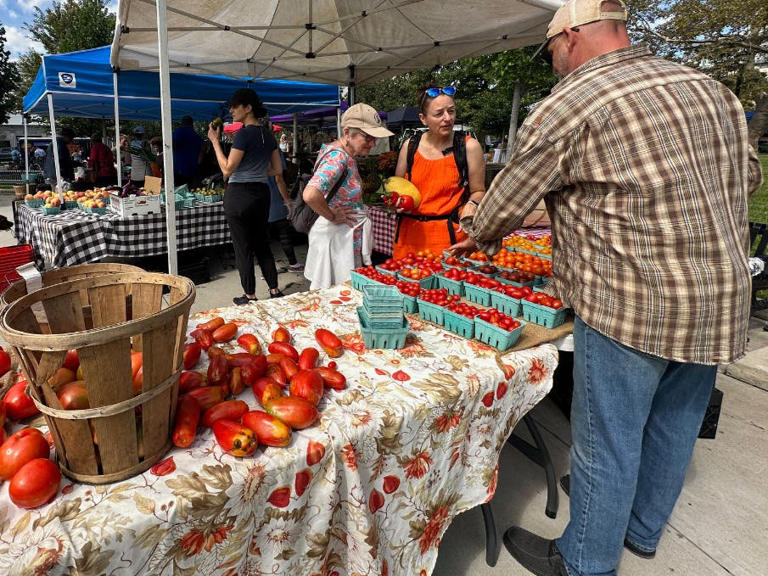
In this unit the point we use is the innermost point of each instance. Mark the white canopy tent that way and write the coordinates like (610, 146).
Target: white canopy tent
(331, 41)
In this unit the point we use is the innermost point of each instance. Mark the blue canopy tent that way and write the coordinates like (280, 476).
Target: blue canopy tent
(81, 84)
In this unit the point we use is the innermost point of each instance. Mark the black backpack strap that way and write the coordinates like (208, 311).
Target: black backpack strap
(413, 145)
(460, 157)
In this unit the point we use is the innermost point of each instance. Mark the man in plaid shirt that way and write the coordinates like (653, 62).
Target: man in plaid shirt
(646, 170)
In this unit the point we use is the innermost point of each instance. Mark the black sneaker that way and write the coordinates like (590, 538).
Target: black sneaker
(534, 553)
(637, 551)
(243, 300)
(277, 294)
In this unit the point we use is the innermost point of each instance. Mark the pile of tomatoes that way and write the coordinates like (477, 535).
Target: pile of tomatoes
(416, 273)
(408, 288)
(517, 276)
(424, 260)
(238, 430)
(466, 310)
(479, 256)
(503, 321)
(544, 300)
(24, 461)
(373, 274)
(438, 296)
(517, 292)
(455, 274)
(482, 281)
(456, 263)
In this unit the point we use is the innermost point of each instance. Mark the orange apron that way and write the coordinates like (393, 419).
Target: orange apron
(438, 182)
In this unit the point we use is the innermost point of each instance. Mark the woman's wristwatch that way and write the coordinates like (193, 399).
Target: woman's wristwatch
(474, 203)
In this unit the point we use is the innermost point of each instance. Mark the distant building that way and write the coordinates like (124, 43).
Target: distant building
(13, 131)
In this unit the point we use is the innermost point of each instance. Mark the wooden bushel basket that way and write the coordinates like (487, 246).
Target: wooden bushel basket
(122, 433)
(50, 277)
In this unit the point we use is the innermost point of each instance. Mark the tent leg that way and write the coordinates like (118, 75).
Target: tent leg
(165, 100)
(55, 146)
(26, 153)
(118, 154)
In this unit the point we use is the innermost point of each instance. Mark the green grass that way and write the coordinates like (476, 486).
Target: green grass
(758, 204)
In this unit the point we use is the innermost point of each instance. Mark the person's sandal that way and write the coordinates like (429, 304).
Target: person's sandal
(243, 300)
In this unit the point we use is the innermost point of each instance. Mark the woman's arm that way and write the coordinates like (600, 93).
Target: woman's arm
(402, 160)
(476, 165)
(227, 164)
(276, 170)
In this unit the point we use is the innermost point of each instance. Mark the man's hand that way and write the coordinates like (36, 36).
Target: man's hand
(464, 247)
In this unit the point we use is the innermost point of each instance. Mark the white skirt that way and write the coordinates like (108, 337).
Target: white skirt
(331, 253)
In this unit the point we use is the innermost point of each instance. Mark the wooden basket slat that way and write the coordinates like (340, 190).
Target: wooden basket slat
(65, 313)
(176, 295)
(157, 367)
(107, 305)
(50, 277)
(147, 300)
(27, 322)
(107, 373)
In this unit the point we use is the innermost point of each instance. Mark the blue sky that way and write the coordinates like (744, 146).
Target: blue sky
(13, 15)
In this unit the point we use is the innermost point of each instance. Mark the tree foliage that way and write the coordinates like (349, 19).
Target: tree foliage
(484, 88)
(8, 78)
(724, 39)
(65, 26)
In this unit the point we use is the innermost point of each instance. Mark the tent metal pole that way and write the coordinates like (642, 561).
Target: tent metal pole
(55, 146)
(26, 152)
(295, 138)
(338, 122)
(118, 152)
(351, 85)
(165, 108)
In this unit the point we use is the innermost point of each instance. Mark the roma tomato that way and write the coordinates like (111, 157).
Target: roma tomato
(207, 396)
(234, 438)
(20, 448)
(249, 343)
(229, 409)
(17, 404)
(296, 412)
(187, 419)
(36, 483)
(332, 378)
(265, 389)
(285, 349)
(212, 324)
(5, 362)
(190, 380)
(73, 396)
(307, 384)
(225, 333)
(329, 342)
(270, 430)
(308, 358)
(281, 335)
(191, 355)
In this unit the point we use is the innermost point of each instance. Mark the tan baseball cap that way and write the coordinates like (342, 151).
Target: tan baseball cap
(364, 118)
(579, 12)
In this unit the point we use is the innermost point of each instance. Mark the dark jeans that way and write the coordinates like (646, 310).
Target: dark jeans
(282, 229)
(246, 207)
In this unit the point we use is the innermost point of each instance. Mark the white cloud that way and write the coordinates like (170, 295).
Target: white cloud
(17, 43)
(30, 5)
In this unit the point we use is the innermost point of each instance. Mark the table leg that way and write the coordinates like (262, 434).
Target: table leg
(491, 542)
(538, 453)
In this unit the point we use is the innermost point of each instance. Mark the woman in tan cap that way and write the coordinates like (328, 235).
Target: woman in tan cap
(340, 239)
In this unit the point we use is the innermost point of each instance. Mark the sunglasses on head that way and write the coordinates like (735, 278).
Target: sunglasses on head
(434, 92)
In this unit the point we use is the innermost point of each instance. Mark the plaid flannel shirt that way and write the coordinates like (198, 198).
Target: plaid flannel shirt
(645, 168)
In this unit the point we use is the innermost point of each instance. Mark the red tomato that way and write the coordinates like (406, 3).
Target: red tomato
(17, 404)
(36, 483)
(5, 362)
(20, 448)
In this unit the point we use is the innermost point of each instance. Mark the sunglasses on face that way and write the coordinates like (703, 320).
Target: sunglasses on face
(544, 51)
(435, 91)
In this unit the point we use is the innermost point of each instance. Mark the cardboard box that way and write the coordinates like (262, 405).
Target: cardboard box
(135, 205)
(153, 184)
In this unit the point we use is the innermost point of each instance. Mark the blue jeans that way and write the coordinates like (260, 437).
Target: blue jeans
(634, 422)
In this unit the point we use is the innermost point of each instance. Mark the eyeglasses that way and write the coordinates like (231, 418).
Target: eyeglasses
(543, 50)
(434, 92)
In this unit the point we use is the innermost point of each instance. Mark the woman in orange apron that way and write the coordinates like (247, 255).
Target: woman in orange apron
(446, 195)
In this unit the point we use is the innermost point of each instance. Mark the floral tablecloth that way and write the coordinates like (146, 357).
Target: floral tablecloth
(413, 441)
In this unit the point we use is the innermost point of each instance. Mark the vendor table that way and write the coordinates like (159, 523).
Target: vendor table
(413, 441)
(76, 237)
(383, 225)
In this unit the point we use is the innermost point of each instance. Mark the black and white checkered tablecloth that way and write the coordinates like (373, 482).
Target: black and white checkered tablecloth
(76, 237)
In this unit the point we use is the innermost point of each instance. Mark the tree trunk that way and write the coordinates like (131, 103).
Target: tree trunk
(513, 120)
(758, 125)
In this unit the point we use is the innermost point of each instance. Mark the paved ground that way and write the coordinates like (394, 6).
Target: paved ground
(720, 522)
